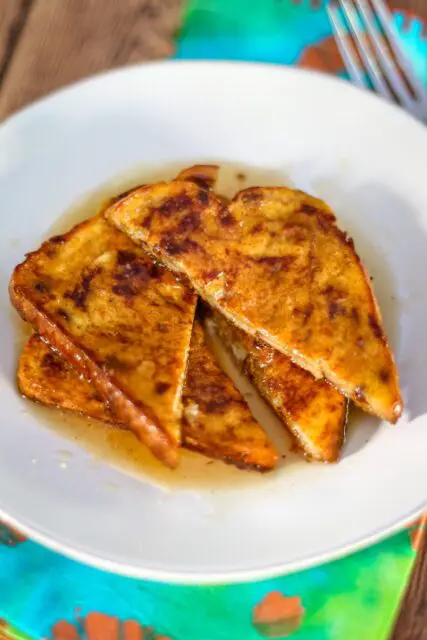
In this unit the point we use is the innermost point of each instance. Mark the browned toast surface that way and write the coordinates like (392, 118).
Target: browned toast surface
(123, 321)
(216, 421)
(45, 377)
(313, 410)
(205, 175)
(275, 263)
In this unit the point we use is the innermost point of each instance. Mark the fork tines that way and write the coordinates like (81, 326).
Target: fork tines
(372, 53)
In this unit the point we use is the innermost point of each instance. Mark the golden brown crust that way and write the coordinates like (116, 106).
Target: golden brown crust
(45, 377)
(205, 175)
(223, 430)
(123, 321)
(275, 263)
(314, 411)
(217, 419)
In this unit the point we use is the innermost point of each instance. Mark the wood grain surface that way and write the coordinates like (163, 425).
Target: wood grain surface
(412, 620)
(46, 44)
(53, 43)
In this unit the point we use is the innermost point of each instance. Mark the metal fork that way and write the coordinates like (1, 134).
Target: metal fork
(380, 56)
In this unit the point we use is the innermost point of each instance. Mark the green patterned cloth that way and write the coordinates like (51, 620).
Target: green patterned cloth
(46, 595)
(281, 32)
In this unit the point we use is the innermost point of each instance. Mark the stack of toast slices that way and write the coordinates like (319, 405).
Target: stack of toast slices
(119, 303)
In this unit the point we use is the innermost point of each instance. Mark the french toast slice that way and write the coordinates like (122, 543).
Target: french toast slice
(216, 419)
(46, 377)
(313, 410)
(274, 262)
(120, 319)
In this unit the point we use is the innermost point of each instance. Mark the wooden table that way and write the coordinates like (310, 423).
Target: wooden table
(46, 44)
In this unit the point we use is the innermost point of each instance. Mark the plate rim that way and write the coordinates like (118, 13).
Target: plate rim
(183, 62)
(178, 576)
(210, 579)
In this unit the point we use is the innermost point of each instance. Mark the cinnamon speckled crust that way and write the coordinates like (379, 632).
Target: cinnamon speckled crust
(45, 377)
(275, 263)
(314, 411)
(123, 321)
(216, 421)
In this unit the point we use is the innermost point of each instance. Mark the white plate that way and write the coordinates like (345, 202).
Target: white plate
(369, 161)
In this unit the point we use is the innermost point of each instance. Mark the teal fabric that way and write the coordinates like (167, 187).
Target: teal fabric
(349, 599)
(275, 31)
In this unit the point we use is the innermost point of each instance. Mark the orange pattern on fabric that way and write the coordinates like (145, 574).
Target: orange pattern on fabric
(323, 56)
(277, 616)
(3, 630)
(101, 627)
(10, 536)
(98, 626)
(132, 631)
(64, 631)
(417, 532)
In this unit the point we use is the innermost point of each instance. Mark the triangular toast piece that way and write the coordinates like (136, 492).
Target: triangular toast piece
(120, 319)
(224, 430)
(313, 410)
(274, 262)
(217, 419)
